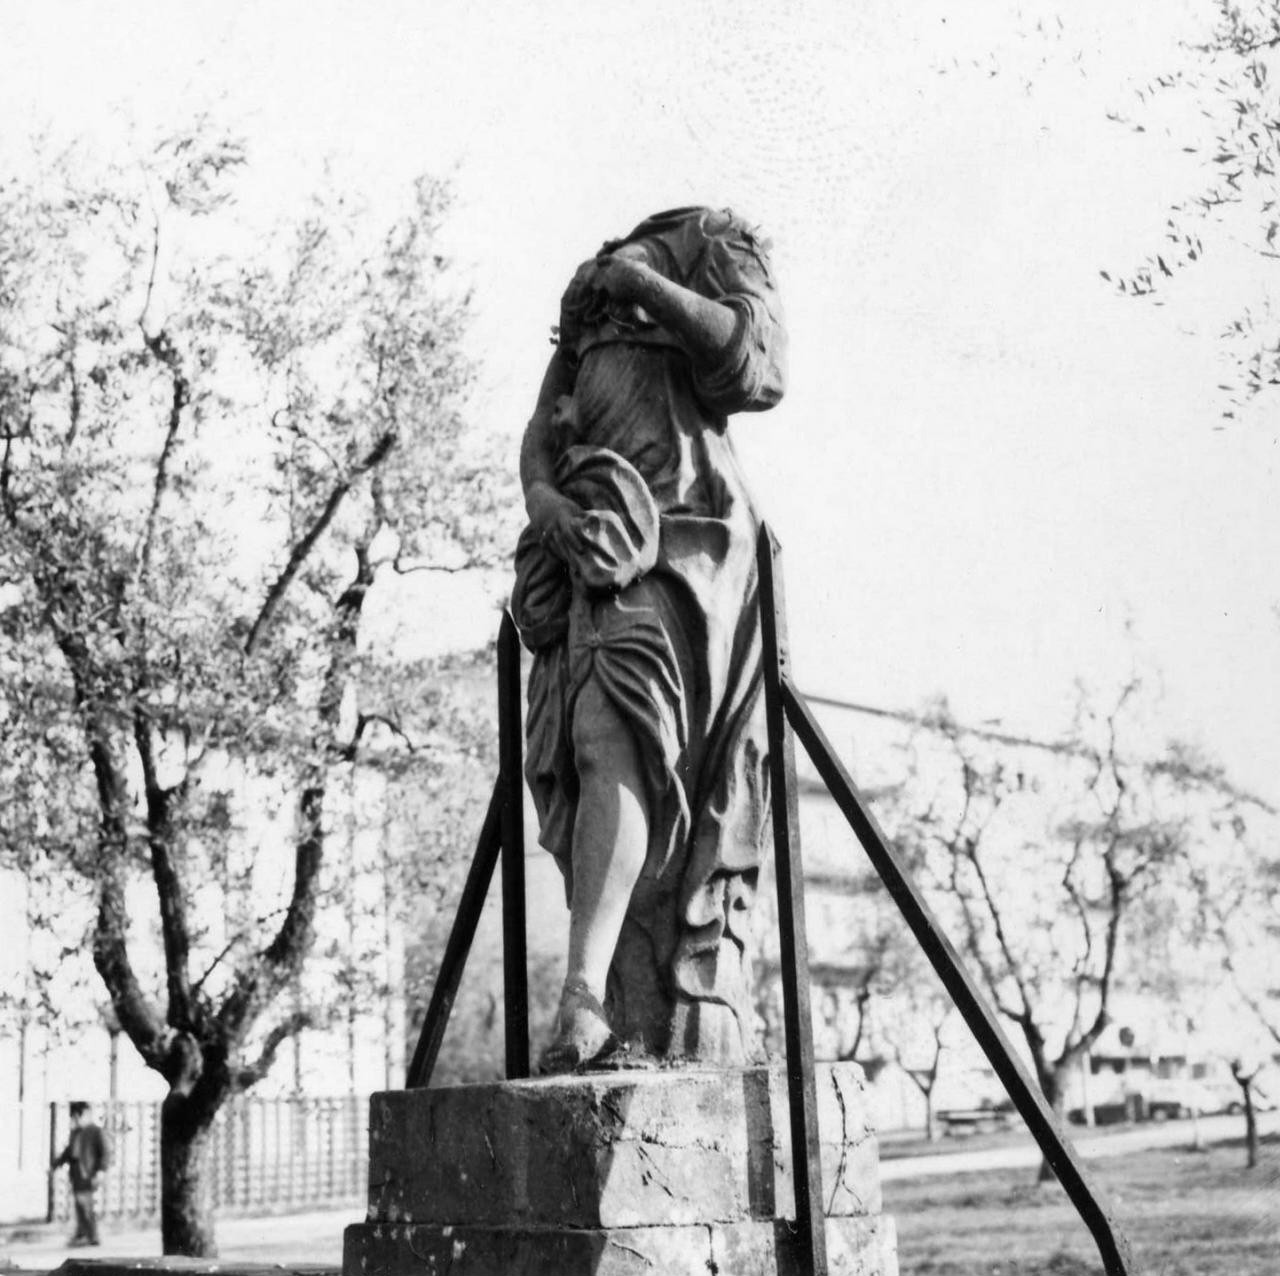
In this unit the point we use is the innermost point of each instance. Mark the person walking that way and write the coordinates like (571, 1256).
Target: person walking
(86, 1155)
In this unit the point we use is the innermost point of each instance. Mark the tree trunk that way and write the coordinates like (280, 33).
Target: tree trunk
(930, 1121)
(1054, 1085)
(186, 1222)
(1243, 1077)
(1250, 1125)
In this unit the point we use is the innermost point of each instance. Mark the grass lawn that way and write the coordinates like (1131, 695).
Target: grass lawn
(1186, 1214)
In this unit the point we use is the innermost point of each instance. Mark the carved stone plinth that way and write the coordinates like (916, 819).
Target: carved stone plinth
(614, 1173)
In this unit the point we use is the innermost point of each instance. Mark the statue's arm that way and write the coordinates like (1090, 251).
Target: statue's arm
(553, 515)
(734, 338)
(707, 328)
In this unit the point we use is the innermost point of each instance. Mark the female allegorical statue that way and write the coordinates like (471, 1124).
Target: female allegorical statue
(636, 590)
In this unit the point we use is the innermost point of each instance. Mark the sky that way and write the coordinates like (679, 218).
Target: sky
(992, 476)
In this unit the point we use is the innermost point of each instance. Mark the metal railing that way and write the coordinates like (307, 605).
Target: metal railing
(264, 1155)
(789, 717)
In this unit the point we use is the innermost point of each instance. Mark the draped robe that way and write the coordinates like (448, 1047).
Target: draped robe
(661, 611)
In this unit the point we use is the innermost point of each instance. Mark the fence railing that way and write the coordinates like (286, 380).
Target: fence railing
(264, 1155)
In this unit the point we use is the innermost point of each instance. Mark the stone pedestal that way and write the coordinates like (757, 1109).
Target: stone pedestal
(677, 1173)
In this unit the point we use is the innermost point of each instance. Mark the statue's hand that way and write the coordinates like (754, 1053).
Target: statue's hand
(557, 520)
(622, 277)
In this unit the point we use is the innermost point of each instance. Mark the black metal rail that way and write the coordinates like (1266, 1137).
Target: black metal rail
(802, 1099)
(456, 950)
(515, 965)
(502, 834)
(1054, 1144)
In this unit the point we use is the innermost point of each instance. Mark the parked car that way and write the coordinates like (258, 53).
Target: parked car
(990, 1115)
(1110, 1113)
(1162, 1100)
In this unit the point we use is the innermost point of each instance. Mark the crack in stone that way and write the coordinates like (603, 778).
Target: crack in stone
(712, 1266)
(702, 1142)
(617, 1244)
(844, 1147)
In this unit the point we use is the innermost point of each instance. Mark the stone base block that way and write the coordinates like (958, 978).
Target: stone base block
(756, 1247)
(614, 1149)
(668, 1171)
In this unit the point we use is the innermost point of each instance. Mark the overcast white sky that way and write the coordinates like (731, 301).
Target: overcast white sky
(991, 475)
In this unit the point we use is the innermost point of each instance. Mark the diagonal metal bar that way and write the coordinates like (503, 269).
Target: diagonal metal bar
(1021, 1088)
(806, 1159)
(515, 965)
(459, 945)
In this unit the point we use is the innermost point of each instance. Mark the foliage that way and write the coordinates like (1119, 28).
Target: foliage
(216, 444)
(1234, 82)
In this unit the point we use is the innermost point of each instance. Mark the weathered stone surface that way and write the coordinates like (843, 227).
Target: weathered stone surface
(677, 1172)
(856, 1247)
(636, 592)
(614, 1150)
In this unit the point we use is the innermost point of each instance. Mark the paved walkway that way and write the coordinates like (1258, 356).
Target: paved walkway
(1150, 1134)
(284, 1238)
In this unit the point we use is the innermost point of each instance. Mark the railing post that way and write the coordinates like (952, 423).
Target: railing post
(797, 1012)
(458, 946)
(515, 969)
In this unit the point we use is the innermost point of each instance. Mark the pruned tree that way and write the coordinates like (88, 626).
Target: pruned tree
(918, 1022)
(215, 445)
(1232, 931)
(1039, 877)
(845, 990)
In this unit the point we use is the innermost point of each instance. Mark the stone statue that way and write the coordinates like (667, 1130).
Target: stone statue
(636, 591)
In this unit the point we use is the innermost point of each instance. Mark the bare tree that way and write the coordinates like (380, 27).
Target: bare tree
(1041, 885)
(1234, 930)
(917, 1020)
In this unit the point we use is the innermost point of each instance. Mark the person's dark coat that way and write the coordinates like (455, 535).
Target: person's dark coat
(86, 1155)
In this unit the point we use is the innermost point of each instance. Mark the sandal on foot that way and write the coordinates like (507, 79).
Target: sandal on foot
(582, 1032)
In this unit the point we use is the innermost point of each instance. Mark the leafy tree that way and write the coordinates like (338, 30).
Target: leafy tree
(1232, 79)
(214, 444)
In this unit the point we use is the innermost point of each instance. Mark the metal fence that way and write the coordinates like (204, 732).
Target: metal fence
(264, 1155)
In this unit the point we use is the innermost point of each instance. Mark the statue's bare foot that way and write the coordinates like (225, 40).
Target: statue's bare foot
(582, 1031)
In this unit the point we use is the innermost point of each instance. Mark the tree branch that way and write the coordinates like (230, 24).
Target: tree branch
(162, 347)
(7, 503)
(1002, 938)
(974, 945)
(138, 1015)
(363, 722)
(281, 958)
(1247, 997)
(227, 949)
(171, 890)
(303, 548)
(250, 1074)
